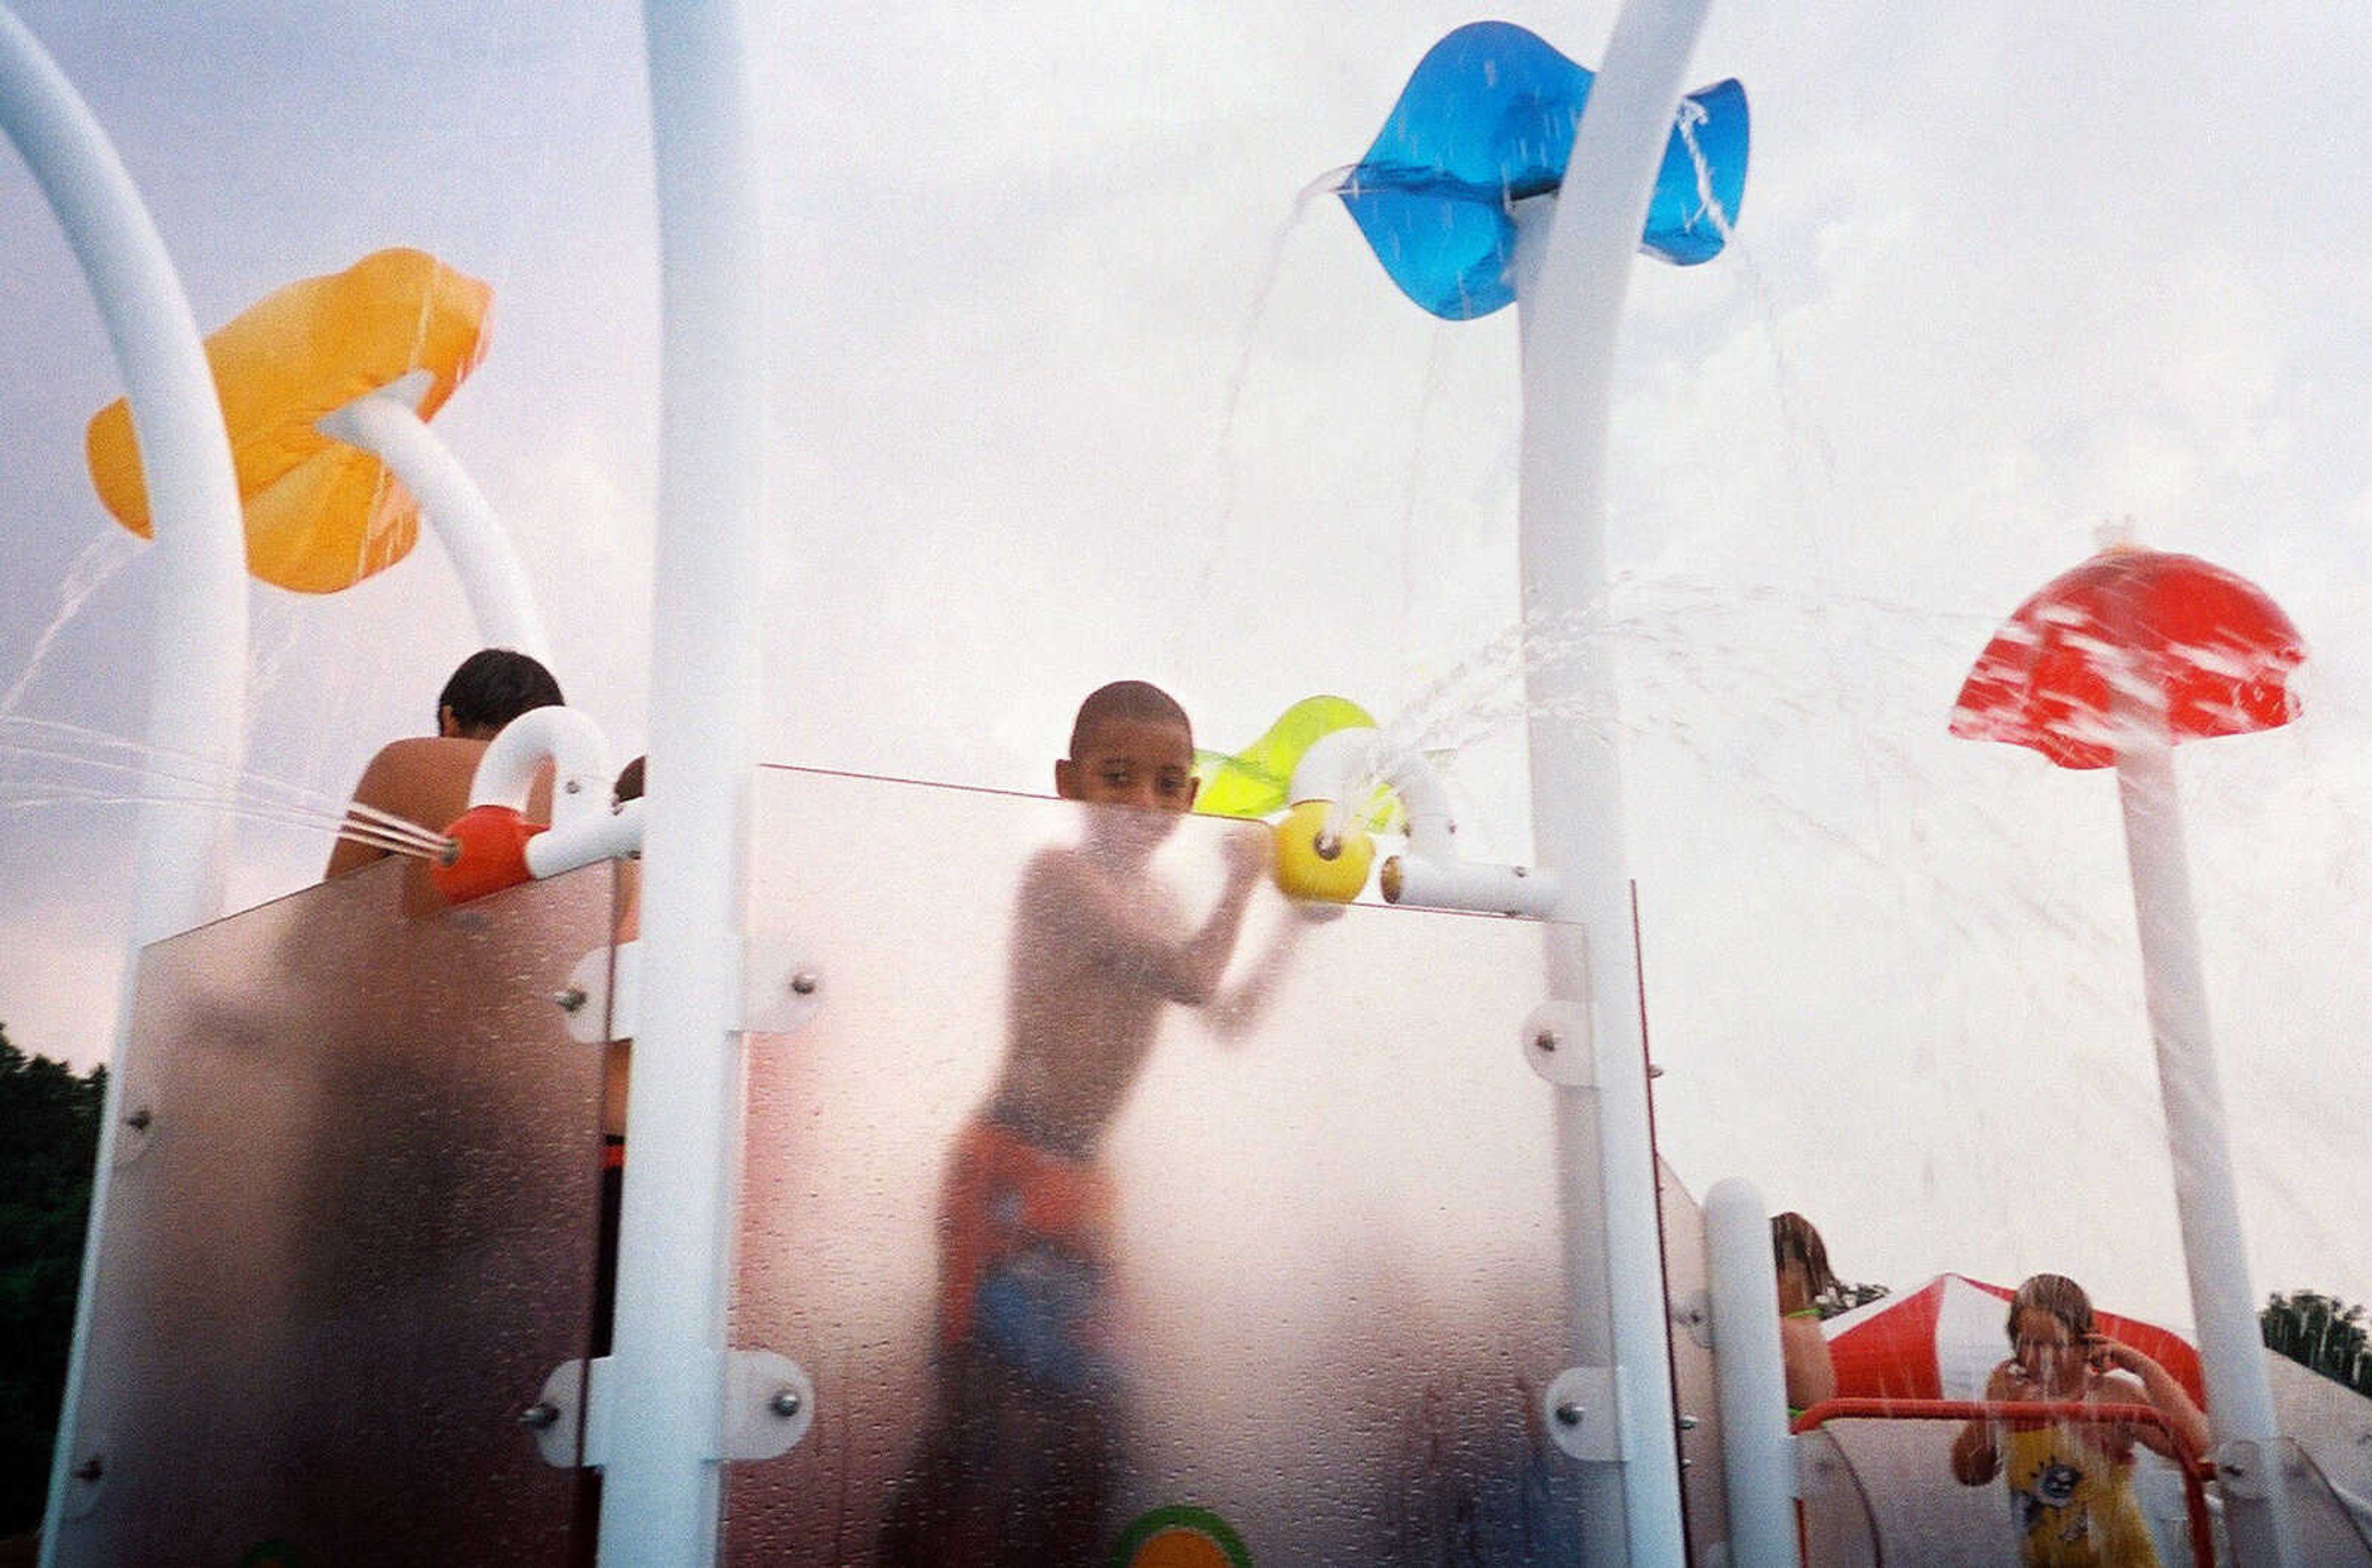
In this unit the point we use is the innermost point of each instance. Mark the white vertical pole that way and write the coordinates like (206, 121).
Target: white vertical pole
(1570, 296)
(482, 556)
(659, 1501)
(2231, 1349)
(197, 694)
(1758, 1457)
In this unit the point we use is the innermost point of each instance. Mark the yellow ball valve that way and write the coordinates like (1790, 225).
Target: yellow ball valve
(1320, 858)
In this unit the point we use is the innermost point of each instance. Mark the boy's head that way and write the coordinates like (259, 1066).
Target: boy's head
(493, 687)
(1131, 746)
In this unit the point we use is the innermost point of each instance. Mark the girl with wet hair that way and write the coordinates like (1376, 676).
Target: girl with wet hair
(1802, 1260)
(2071, 1479)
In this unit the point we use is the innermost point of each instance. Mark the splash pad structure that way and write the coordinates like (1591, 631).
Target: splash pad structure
(677, 1477)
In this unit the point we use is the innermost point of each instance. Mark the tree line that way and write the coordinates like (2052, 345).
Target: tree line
(49, 1144)
(2321, 1333)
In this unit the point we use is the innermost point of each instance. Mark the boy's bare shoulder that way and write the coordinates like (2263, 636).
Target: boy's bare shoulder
(426, 769)
(1059, 878)
(423, 779)
(430, 750)
(1060, 862)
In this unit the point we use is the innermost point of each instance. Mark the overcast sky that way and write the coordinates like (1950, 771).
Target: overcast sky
(1069, 385)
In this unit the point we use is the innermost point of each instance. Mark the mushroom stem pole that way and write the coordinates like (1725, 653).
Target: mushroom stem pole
(482, 553)
(2231, 1350)
(1574, 257)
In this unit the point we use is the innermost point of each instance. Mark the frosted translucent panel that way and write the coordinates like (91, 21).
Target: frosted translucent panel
(1331, 1301)
(1883, 1492)
(2332, 1531)
(353, 1237)
(1838, 1531)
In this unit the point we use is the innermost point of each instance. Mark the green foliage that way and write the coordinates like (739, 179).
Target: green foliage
(49, 1139)
(2321, 1333)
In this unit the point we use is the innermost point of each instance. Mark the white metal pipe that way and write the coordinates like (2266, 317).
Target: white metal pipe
(197, 694)
(1344, 763)
(2358, 1508)
(1474, 885)
(2231, 1346)
(1758, 1456)
(1342, 767)
(659, 1499)
(612, 835)
(571, 742)
(482, 551)
(1574, 257)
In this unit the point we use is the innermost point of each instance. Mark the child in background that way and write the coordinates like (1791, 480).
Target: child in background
(2070, 1480)
(1802, 1259)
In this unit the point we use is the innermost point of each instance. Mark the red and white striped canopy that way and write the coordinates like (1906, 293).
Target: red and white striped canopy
(1939, 1342)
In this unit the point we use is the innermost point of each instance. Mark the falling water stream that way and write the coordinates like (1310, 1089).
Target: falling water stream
(54, 764)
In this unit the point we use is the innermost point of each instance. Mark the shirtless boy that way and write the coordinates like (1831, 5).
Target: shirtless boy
(1023, 1459)
(427, 780)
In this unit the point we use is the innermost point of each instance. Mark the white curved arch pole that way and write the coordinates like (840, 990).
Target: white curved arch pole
(473, 537)
(1574, 258)
(659, 1495)
(197, 698)
(571, 742)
